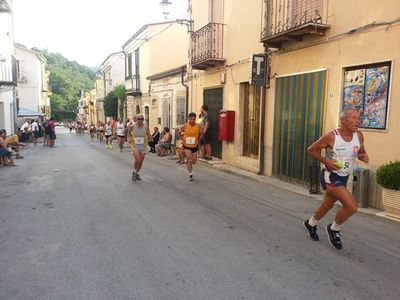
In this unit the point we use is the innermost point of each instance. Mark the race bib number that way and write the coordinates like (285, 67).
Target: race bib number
(139, 140)
(348, 163)
(191, 140)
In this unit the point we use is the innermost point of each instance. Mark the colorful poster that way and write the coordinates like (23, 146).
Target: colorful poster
(354, 89)
(376, 97)
(367, 90)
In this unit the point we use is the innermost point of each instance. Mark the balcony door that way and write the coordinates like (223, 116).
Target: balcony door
(216, 13)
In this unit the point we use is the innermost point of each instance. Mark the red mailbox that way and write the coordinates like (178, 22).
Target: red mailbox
(226, 128)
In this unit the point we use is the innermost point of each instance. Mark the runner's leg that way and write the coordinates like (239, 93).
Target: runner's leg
(349, 205)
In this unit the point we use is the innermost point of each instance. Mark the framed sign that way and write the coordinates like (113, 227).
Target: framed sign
(367, 88)
(258, 69)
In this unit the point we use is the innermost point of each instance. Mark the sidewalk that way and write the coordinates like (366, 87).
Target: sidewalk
(220, 165)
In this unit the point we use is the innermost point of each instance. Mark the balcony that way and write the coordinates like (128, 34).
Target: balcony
(8, 70)
(132, 85)
(207, 47)
(292, 21)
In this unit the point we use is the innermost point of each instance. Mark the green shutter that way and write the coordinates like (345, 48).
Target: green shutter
(298, 117)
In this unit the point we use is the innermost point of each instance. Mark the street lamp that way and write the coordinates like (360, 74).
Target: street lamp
(166, 7)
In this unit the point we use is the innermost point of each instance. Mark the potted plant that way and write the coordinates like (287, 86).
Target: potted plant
(388, 177)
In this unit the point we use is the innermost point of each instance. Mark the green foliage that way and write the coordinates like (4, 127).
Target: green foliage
(111, 105)
(119, 92)
(67, 79)
(388, 175)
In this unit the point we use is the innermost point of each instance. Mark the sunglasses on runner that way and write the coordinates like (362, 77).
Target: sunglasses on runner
(139, 119)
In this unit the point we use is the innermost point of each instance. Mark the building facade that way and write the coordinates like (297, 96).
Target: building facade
(318, 59)
(112, 72)
(153, 73)
(321, 62)
(33, 86)
(8, 69)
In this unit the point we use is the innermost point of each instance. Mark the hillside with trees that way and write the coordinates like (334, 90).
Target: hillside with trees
(67, 79)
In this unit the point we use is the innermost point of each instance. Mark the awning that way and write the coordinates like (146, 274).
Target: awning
(26, 112)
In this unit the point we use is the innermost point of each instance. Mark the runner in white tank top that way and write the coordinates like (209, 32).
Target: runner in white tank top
(140, 135)
(342, 147)
(121, 134)
(344, 152)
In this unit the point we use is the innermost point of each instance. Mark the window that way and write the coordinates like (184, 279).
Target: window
(136, 62)
(367, 88)
(128, 64)
(180, 110)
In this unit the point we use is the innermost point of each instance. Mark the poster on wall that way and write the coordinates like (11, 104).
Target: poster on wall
(376, 95)
(354, 89)
(366, 89)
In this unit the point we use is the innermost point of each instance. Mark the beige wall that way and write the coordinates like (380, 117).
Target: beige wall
(382, 45)
(241, 40)
(169, 49)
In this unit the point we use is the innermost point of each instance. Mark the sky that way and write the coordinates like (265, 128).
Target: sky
(86, 31)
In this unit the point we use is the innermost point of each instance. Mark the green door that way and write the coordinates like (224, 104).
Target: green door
(298, 117)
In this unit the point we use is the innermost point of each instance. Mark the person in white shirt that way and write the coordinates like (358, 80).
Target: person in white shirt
(120, 128)
(108, 134)
(342, 147)
(35, 131)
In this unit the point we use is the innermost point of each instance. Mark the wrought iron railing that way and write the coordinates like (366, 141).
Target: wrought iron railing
(207, 43)
(8, 70)
(134, 81)
(285, 15)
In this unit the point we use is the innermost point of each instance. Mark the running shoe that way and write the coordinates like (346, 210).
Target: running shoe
(138, 177)
(334, 237)
(312, 231)
(191, 177)
(134, 176)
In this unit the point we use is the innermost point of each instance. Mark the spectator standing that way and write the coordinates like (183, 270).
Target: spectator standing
(35, 131)
(205, 142)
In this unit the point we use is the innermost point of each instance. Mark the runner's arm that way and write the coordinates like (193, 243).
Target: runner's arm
(362, 154)
(323, 142)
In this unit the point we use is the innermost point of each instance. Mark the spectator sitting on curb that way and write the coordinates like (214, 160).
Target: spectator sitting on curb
(12, 142)
(164, 143)
(5, 153)
(155, 138)
(180, 150)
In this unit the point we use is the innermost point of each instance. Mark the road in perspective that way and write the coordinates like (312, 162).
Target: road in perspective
(74, 226)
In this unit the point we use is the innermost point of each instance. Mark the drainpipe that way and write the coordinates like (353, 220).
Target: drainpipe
(262, 115)
(183, 71)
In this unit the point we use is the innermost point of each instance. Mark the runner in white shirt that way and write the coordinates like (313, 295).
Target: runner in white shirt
(108, 134)
(120, 134)
(343, 146)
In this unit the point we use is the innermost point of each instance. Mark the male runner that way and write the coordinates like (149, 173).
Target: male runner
(342, 146)
(192, 132)
(120, 134)
(108, 135)
(140, 135)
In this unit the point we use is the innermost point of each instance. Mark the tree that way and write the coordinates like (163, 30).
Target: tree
(67, 79)
(111, 105)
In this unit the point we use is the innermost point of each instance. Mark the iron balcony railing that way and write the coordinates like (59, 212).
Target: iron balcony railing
(134, 84)
(8, 70)
(282, 16)
(207, 43)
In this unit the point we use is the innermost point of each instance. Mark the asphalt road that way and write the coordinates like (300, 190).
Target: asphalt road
(74, 226)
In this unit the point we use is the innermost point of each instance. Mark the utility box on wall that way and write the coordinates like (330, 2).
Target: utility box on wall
(226, 127)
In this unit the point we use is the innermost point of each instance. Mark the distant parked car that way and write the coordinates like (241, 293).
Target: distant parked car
(60, 124)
